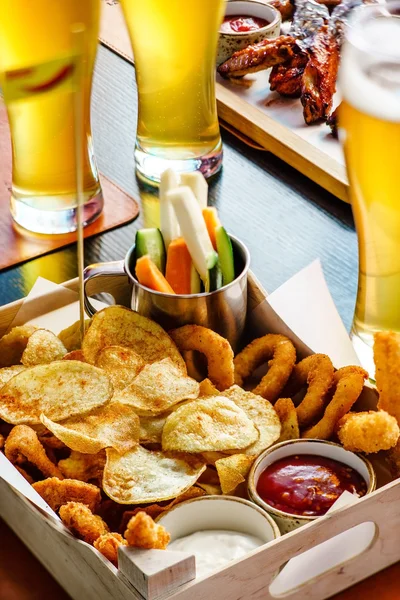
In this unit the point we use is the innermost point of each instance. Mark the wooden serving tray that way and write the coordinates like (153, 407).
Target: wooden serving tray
(84, 573)
(272, 122)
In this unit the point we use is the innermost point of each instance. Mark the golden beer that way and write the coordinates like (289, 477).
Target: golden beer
(37, 44)
(369, 121)
(174, 45)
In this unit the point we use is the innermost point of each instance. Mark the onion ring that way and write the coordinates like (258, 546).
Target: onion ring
(315, 372)
(349, 383)
(23, 445)
(287, 414)
(216, 349)
(281, 354)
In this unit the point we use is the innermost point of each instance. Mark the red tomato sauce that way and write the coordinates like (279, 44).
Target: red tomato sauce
(241, 24)
(308, 485)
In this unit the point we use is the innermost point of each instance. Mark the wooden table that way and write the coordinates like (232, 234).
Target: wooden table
(285, 219)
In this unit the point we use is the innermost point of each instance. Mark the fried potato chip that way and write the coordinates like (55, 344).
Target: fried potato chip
(212, 457)
(71, 336)
(263, 415)
(233, 470)
(59, 390)
(121, 364)
(13, 344)
(42, 348)
(120, 326)
(74, 355)
(85, 467)
(155, 510)
(207, 388)
(211, 489)
(157, 388)
(142, 476)
(214, 423)
(151, 429)
(287, 414)
(114, 425)
(8, 372)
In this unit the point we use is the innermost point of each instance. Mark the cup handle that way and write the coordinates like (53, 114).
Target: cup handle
(111, 269)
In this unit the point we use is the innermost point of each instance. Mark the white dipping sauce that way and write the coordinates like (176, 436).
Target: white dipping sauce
(214, 548)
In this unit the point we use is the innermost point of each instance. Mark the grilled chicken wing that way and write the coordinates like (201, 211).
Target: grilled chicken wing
(285, 7)
(287, 78)
(332, 121)
(319, 78)
(259, 57)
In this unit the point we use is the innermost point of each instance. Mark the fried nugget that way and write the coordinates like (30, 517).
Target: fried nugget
(85, 467)
(108, 545)
(82, 522)
(216, 349)
(315, 372)
(143, 532)
(23, 446)
(57, 492)
(368, 432)
(24, 474)
(287, 414)
(349, 383)
(387, 374)
(281, 354)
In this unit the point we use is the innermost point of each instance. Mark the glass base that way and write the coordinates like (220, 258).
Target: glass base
(30, 213)
(363, 344)
(149, 167)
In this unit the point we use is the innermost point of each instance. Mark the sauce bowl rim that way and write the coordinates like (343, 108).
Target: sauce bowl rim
(277, 19)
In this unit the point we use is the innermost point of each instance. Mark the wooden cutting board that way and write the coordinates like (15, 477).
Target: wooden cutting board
(17, 247)
(257, 116)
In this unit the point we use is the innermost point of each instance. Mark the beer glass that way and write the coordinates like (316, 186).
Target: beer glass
(174, 45)
(369, 127)
(38, 62)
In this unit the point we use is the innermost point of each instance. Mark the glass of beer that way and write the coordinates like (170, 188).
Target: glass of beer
(174, 45)
(369, 128)
(38, 64)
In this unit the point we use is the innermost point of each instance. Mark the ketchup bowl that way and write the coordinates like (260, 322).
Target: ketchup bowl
(217, 530)
(297, 481)
(246, 22)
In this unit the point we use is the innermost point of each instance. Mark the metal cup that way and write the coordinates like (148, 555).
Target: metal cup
(223, 311)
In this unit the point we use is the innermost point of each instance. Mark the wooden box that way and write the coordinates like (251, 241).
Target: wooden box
(86, 575)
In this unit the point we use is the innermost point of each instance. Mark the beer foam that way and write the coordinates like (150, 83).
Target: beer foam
(369, 75)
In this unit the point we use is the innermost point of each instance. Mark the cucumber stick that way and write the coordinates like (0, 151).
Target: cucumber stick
(214, 278)
(169, 225)
(195, 281)
(198, 184)
(150, 242)
(193, 230)
(225, 255)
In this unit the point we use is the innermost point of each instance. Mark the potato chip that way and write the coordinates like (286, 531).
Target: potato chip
(233, 470)
(157, 388)
(74, 355)
(84, 467)
(214, 423)
(212, 457)
(114, 425)
(121, 364)
(71, 336)
(60, 390)
(211, 489)
(263, 415)
(8, 372)
(142, 476)
(120, 326)
(207, 388)
(13, 344)
(151, 429)
(42, 348)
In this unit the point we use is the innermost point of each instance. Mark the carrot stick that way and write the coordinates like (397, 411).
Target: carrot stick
(179, 266)
(210, 216)
(149, 275)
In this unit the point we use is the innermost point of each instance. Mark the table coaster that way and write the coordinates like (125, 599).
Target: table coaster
(16, 247)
